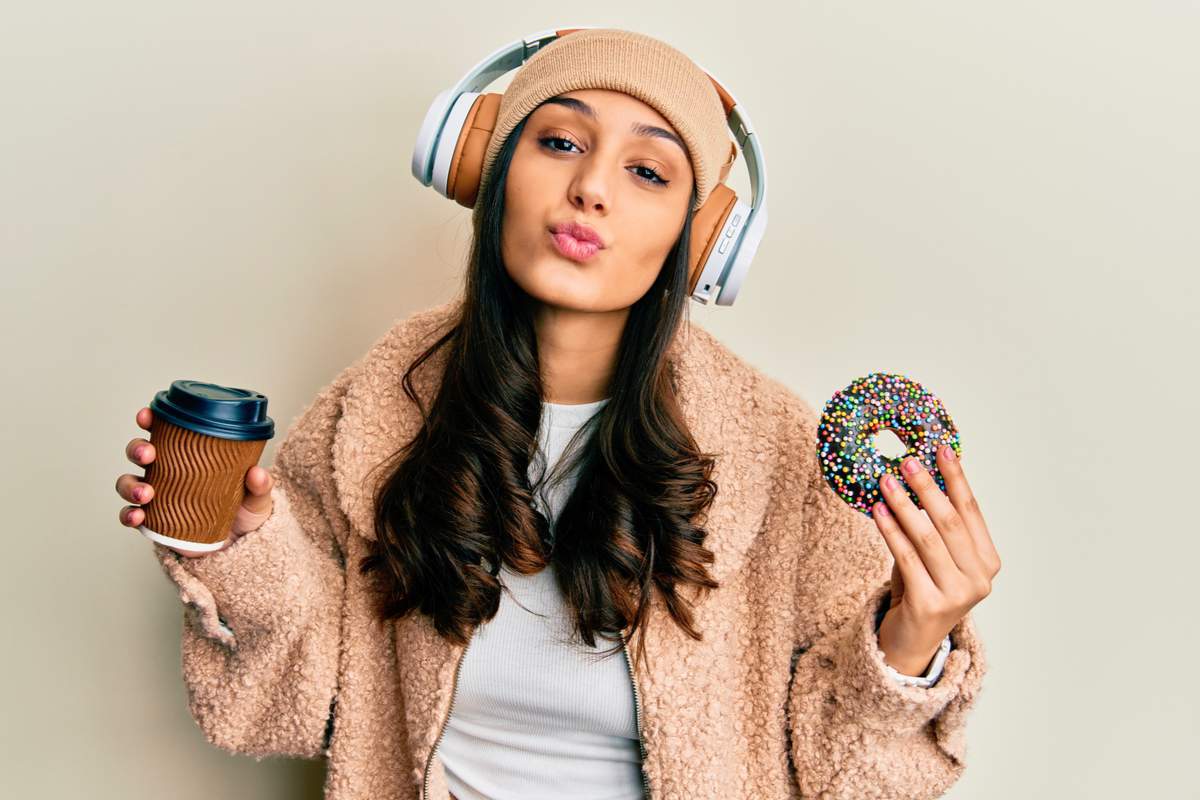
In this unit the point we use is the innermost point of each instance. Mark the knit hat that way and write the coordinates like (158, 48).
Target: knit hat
(638, 65)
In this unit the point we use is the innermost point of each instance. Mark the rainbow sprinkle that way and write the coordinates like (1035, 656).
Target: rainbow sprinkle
(853, 416)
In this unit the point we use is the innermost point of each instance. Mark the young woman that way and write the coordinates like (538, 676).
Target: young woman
(418, 586)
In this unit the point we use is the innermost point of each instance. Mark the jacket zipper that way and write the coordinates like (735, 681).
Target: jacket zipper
(449, 711)
(637, 711)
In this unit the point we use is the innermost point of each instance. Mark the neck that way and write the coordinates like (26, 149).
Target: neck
(577, 351)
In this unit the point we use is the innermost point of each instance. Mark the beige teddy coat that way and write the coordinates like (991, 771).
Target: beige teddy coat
(786, 696)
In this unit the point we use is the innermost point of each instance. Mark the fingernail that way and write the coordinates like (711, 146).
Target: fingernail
(140, 452)
(139, 493)
(911, 466)
(948, 452)
(889, 483)
(881, 509)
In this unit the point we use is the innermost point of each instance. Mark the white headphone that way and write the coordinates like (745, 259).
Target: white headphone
(450, 146)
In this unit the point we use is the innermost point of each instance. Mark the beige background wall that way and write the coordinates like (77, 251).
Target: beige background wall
(997, 199)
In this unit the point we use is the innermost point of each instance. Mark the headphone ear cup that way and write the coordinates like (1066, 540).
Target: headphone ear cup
(707, 224)
(466, 165)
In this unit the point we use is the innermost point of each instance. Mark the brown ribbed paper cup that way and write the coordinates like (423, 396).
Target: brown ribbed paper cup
(206, 437)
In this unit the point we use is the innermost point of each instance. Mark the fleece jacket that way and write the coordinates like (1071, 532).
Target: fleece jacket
(786, 695)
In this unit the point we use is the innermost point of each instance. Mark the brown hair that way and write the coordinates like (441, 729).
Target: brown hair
(458, 500)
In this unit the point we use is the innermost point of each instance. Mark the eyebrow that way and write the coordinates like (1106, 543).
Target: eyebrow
(638, 128)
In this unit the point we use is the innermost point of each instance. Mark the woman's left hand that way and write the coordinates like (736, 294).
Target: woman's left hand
(945, 562)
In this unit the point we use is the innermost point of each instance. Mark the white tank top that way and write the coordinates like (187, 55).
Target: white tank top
(538, 715)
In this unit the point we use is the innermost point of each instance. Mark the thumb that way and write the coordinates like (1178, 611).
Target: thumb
(256, 504)
(897, 585)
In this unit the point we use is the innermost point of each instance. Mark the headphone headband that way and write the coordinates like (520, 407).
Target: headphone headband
(729, 230)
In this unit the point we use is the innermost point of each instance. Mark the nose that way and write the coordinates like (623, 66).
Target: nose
(589, 189)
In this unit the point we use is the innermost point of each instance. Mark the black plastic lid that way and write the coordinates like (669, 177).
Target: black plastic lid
(214, 410)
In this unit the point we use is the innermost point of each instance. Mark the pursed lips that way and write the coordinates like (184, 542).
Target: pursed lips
(575, 249)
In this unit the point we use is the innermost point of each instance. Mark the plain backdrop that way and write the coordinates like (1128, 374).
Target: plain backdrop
(998, 200)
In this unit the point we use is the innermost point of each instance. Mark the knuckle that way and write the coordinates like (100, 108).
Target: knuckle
(972, 505)
(961, 597)
(946, 519)
(928, 536)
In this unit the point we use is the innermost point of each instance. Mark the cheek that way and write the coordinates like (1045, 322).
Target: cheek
(649, 235)
(521, 222)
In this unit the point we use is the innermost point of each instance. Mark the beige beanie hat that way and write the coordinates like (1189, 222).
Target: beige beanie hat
(638, 65)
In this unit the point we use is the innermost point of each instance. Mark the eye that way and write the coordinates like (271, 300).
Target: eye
(545, 140)
(656, 177)
(548, 143)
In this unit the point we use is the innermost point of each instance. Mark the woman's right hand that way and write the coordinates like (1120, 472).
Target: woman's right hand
(256, 505)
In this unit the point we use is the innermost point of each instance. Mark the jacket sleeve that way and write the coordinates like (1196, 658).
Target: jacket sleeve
(856, 731)
(262, 618)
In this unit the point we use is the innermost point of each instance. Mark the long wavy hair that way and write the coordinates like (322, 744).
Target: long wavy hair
(458, 500)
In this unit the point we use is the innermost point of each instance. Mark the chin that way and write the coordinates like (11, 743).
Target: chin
(577, 298)
(561, 286)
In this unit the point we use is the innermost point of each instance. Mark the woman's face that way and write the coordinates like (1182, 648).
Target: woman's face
(609, 161)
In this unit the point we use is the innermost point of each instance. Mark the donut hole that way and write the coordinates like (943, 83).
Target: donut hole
(888, 444)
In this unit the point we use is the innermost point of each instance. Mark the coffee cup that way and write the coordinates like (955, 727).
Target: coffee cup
(206, 437)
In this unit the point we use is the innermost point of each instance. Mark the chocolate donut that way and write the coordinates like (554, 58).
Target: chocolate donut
(851, 419)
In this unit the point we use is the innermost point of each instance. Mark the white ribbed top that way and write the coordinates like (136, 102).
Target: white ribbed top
(538, 715)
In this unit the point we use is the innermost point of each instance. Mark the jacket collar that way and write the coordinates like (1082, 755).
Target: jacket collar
(720, 398)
